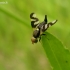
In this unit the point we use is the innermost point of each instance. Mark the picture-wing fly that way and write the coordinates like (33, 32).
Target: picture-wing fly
(39, 28)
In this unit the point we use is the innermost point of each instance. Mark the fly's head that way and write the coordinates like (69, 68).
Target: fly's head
(34, 40)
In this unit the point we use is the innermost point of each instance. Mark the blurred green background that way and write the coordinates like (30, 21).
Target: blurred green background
(16, 50)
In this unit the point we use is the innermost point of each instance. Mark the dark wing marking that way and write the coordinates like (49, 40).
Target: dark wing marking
(34, 20)
(45, 19)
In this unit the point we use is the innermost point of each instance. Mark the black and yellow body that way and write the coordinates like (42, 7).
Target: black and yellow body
(39, 28)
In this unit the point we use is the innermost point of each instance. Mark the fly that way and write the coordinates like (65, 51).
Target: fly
(39, 27)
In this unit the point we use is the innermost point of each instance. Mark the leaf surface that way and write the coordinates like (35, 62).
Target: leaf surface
(57, 54)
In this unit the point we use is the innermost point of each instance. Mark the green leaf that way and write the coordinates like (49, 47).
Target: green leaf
(57, 54)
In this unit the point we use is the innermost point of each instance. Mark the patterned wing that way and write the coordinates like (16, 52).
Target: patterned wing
(34, 20)
(51, 23)
(46, 26)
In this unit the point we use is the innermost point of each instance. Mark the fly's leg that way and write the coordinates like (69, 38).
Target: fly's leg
(39, 38)
(43, 34)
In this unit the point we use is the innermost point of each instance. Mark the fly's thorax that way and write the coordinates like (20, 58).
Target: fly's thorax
(43, 28)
